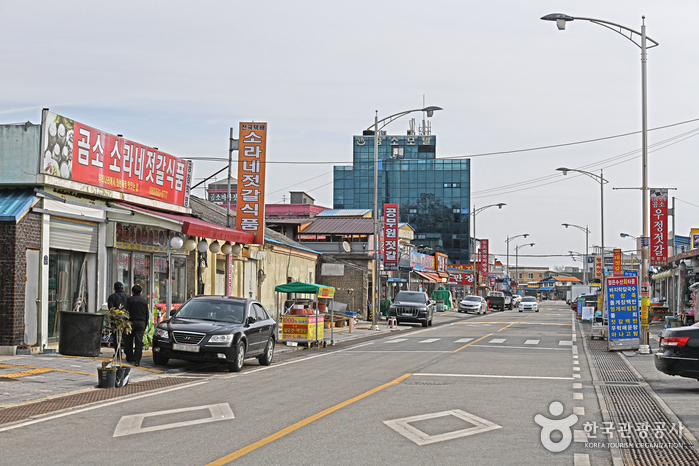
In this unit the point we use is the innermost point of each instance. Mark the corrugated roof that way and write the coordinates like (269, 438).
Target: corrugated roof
(287, 221)
(566, 279)
(340, 226)
(14, 203)
(344, 213)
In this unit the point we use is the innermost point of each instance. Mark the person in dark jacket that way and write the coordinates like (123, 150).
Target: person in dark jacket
(137, 306)
(119, 297)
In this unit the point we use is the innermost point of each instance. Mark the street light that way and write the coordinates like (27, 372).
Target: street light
(508, 251)
(634, 37)
(475, 212)
(385, 121)
(626, 235)
(587, 233)
(517, 248)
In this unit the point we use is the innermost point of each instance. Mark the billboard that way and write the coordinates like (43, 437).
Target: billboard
(390, 237)
(252, 155)
(622, 299)
(74, 151)
(658, 227)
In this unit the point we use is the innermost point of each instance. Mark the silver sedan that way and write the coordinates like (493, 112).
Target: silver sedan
(475, 304)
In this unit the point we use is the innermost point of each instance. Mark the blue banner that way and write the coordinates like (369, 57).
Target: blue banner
(622, 301)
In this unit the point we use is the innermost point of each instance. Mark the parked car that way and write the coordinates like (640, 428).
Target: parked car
(515, 300)
(679, 352)
(508, 299)
(496, 300)
(216, 329)
(412, 307)
(590, 301)
(475, 304)
(529, 303)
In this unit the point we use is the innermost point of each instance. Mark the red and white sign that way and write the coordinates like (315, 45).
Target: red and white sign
(598, 267)
(461, 278)
(390, 237)
(77, 152)
(658, 227)
(252, 155)
(484, 258)
(442, 261)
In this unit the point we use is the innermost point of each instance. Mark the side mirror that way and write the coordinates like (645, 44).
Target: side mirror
(173, 312)
(251, 320)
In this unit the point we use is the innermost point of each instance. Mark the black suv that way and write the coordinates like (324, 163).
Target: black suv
(412, 307)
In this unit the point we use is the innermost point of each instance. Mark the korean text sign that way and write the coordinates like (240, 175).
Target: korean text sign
(598, 267)
(622, 299)
(658, 227)
(250, 208)
(77, 152)
(442, 262)
(617, 261)
(390, 234)
(484, 258)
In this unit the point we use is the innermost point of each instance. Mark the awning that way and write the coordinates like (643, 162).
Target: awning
(306, 288)
(546, 288)
(14, 203)
(194, 227)
(431, 277)
(661, 275)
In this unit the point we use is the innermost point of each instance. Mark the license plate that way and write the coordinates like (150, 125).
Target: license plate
(407, 313)
(188, 348)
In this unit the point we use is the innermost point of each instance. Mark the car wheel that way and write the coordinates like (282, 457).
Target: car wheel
(237, 364)
(424, 324)
(429, 324)
(520, 310)
(268, 355)
(159, 360)
(536, 310)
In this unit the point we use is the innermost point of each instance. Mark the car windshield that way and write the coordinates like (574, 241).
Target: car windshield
(528, 299)
(211, 309)
(410, 297)
(472, 298)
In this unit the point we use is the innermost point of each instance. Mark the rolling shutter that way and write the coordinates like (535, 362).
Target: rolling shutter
(73, 236)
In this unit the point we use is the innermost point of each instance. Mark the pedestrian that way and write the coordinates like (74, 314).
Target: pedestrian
(137, 306)
(118, 298)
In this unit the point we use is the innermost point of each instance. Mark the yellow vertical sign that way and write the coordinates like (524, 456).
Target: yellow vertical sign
(252, 155)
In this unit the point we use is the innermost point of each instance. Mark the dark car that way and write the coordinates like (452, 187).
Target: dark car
(679, 352)
(496, 300)
(412, 307)
(216, 329)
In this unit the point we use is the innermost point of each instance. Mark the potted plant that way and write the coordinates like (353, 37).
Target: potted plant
(121, 325)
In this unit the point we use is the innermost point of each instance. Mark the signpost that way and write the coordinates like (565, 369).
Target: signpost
(624, 320)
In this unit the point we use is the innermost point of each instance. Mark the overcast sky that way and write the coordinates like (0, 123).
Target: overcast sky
(177, 75)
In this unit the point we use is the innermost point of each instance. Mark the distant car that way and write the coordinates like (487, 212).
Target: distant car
(515, 300)
(475, 304)
(216, 329)
(508, 299)
(412, 307)
(529, 303)
(679, 352)
(496, 300)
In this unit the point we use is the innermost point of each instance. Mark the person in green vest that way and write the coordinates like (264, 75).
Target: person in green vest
(443, 295)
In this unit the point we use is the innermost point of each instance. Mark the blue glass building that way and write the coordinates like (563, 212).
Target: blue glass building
(433, 194)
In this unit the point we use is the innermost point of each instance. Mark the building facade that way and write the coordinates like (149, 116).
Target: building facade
(433, 194)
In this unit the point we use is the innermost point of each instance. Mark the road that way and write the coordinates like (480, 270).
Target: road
(465, 391)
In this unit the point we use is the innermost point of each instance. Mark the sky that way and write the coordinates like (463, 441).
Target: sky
(178, 75)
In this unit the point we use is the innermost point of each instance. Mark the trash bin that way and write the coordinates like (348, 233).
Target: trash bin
(80, 333)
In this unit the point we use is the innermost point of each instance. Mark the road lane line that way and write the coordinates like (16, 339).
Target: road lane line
(520, 323)
(506, 327)
(469, 344)
(463, 340)
(532, 342)
(271, 438)
(489, 376)
(520, 347)
(397, 340)
(580, 459)
(579, 410)
(429, 340)
(497, 340)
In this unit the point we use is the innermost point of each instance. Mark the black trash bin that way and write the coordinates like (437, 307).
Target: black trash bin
(80, 333)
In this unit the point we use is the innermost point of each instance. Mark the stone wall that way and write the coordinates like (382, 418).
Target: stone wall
(352, 288)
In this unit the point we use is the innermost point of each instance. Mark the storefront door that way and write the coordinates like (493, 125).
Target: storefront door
(141, 274)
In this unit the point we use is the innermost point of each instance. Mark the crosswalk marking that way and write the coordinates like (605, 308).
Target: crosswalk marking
(429, 340)
(531, 342)
(498, 340)
(463, 340)
(565, 343)
(397, 340)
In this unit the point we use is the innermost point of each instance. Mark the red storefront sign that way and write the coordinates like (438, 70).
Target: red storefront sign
(617, 261)
(598, 267)
(77, 152)
(252, 155)
(658, 227)
(484, 258)
(390, 237)
(461, 278)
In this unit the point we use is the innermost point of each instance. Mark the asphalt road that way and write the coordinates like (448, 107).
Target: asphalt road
(465, 391)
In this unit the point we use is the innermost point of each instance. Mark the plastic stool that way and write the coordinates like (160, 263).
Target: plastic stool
(391, 322)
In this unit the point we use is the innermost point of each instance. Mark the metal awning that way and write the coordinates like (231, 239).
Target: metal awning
(661, 275)
(14, 203)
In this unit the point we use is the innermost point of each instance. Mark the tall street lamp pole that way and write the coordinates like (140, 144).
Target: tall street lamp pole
(475, 238)
(626, 235)
(510, 238)
(640, 40)
(517, 248)
(377, 257)
(587, 234)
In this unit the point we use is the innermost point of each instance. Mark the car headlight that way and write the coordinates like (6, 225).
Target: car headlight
(221, 339)
(162, 333)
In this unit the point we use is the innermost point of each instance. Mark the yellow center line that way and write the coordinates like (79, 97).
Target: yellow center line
(469, 344)
(505, 327)
(244, 451)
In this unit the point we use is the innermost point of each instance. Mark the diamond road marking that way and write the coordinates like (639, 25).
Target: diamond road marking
(463, 340)
(565, 343)
(131, 424)
(429, 340)
(403, 427)
(396, 340)
(498, 340)
(532, 342)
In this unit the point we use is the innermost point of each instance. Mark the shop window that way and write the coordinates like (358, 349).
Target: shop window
(65, 276)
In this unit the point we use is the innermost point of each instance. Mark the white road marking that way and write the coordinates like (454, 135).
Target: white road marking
(463, 340)
(131, 424)
(393, 352)
(403, 427)
(579, 436)
(429, 340)
(576, 376)
(565, 343)
(577, 386)
(486, 376)
(532, 342)
(498, 340)
(519, 347)
(579, 410)
(576, 362)
(575, 356)
(575, 337)
(580, 459)
(575, 350)
(577, 396)
(397, 340)
(576, 369)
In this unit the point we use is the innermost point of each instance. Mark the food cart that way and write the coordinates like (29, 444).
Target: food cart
(304, 320)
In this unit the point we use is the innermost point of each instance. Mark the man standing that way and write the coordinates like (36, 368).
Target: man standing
(118, 298)
(137, 306)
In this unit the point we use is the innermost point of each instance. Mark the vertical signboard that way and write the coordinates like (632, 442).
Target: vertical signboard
(622, 302)
(390, 237)
(617, 261)
(658, 227)
(252, 155)
(442, 260)
(484, 259)
(598, 267)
